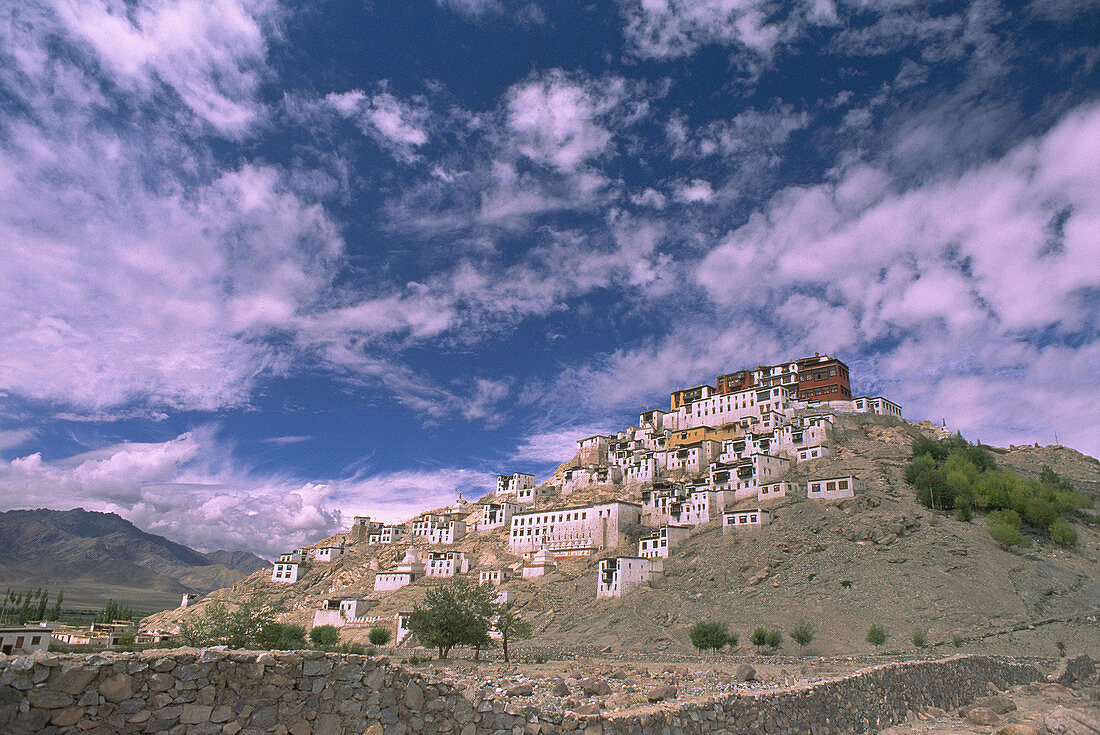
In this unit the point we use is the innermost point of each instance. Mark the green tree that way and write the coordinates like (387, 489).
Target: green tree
(877, 635)
(379, 636)
(455, 614)
(510, 625)
(55, 612)
(324, 635)
(709, 635)
(803, 634)
(1062, 532)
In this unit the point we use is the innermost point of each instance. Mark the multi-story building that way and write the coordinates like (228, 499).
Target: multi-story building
(494, 515)
(620, 575)
(286, 572)
(439, 528)
(514, 482)
(578, 478)
(690, 459)
(495, 577)
(593, 449)
(573, 531)
(446, 563)
(743, 478)
(386, 534)
(362, 527)
(662, 541)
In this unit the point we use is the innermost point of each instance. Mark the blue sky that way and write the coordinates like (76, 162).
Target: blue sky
(268, 265)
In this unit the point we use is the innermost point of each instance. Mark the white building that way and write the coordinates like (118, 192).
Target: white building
(286, 572)
(719, 409)
(640, 468)
(16, 640)
(439, 528)
(773, 490)
(495, 577)
(745, 519)
(808, 454)
(362, 527)
(834, 488)
(386, 534)
(662, 541)
(327, 553)
(575, 531)
(401, 624)
(878, 404)
(341, 612)
(408, 571)
(189, 597)
(592, 449)
(542, 563)
(494, 515)
(578, 478)
(446, 563)
(514, 482)
(689, 459)
(744, 477)
(620, 575)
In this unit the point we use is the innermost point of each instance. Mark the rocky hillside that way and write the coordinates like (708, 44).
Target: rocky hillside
(93, 556)
(880, 557)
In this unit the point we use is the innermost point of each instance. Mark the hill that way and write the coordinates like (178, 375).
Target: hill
(880, 557)
(93, 556)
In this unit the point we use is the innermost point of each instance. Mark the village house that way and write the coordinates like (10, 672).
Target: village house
(745, 519)
(543, 563)
(573, 531)
(773, 490)
(188, 598)
(662, 541)
(439, 528)
(590, 476)
(446, 563)
(327, 553)
(528, 495)
(495, 577)
(289, 566)
(689, 459)
(620, 575)
(592, 450)
(386, 534)
(408, 571)
(362, 527)
(339, 613)
(16, 640)
(833, 488)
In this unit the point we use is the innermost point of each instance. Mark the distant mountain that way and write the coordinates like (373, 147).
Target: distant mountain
(85, 550)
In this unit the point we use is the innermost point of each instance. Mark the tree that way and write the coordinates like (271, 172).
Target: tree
(55, 612)
(510, 625)
(763, 637)
(1062, 532)
(709, 634)
(459, 613)
(324, 635)
(877, 635)
(251, 625)
(379, 636)
(803, 634)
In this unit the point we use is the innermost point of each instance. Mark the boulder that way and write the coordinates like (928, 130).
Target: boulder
(661, 693)
(1066, 721)
(745, 673)
(116, 688)
(982, 716)
(593, 686)
(588, 709)
(520, 690)
(560, 688)
(1017, 729)
(998, 703)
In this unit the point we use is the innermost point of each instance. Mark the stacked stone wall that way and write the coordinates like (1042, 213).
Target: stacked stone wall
(192, 692)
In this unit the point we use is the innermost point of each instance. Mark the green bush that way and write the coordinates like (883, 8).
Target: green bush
(803, 634)
(759, 635)
(324, 635)
(709, 635)
(773, 639)
(957, 641)
(877, 635)
(1062, 532)
(379, 636)
(919, 638)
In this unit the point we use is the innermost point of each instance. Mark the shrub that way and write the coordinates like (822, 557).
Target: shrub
(282, 636)
(709, 635)
(379, 636)
(803, 634)
(1061, 648)
(773, 639)
(957, 641)
(846, 584)
(919, 638)
(1062, 532)
(759, 634)
(877, 635)
(733, 639)
(324, 635)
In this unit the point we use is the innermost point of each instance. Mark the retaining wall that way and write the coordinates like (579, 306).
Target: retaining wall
(194, 692)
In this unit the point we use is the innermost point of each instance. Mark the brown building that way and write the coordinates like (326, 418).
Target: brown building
(824, 379)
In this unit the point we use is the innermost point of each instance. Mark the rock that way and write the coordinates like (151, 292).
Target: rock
(67, 717)
(117, 688)
(588, 709)
(414, 696)
(560, 688)
(195, 714)
(231, 728)
(982, 716)
(661, 693)
(745, 673)
(999, 704)
(594, 686)
(521, 690)
(45, 699)
(72, 680)
(1066, 721)
(1017, 729)
(375, 728)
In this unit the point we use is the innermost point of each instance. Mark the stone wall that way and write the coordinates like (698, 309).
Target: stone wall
(188, 691)
(1074, 668)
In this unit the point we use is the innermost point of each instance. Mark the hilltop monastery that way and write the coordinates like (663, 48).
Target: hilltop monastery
(719, 452)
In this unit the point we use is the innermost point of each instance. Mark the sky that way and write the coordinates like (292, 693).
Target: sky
(265, 266)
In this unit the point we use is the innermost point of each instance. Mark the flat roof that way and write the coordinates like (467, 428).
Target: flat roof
(576, 507)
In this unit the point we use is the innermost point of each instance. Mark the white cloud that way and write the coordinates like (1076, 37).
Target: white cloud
(211, 53)
(397, 125)
(696, 191)
(397, 496)
(12, 438)
(552, 446)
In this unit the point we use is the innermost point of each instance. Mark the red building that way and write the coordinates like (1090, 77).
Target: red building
(820, 378)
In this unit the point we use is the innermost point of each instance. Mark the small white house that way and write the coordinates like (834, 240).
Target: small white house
(543, 563)
(386, 534)
(408, 571)
(745, 519)
(327, 553)
(834, 488)
(773, 490)
(401, 623)
(495, 577)
(439, 528)
(340, 612)
(621, 575)
(528, 495)
(662, 541)
(189, 597)
(514, 483)
(447, 563)
(811, 453)
(286, 573)
(17, 640)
